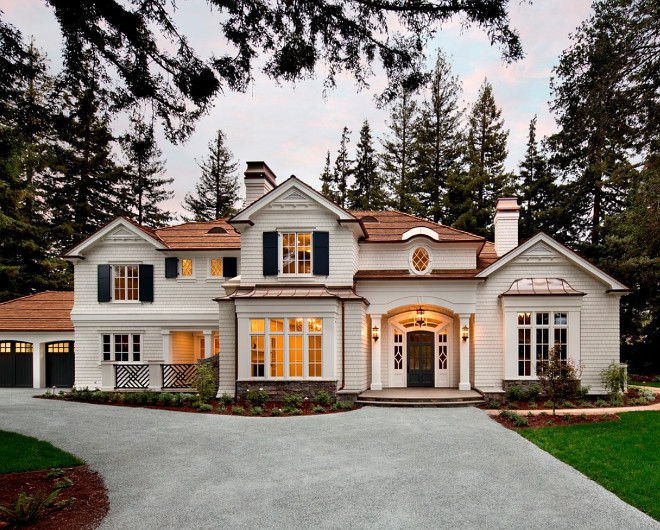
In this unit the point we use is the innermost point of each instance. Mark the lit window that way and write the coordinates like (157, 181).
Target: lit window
(257, 347)
(58, 347)
(186, 268)
(539, 332)
(216, 267)
(314, 347)
(125, 279)
(276, 347)
(296, 347)
(122, 347)
(297, 253)
(420, 260)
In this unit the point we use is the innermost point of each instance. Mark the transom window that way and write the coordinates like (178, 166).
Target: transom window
(126, 282)
(122, 347)
(420, 260)
(290, 348)
(538, 332)
(187, 268)
(58, 347)
(216, 267)
(296, 253)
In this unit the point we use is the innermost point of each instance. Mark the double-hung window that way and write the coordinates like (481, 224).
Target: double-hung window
(122, 347)
(126, 282)
(296, 253)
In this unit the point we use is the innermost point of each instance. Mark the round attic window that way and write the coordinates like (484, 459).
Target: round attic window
(420, 260)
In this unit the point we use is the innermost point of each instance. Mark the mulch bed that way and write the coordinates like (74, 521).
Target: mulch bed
(89, 508)
(558, 420)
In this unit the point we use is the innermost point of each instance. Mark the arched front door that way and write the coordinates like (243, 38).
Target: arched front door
(420, 358)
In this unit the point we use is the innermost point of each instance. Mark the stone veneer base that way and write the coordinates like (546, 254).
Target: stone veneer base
(277, 389)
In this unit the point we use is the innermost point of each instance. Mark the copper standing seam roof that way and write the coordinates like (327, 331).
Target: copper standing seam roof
(541, 287)
(47, 311)
(302, 291)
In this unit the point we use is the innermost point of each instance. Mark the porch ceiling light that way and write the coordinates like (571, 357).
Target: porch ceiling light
(421, 320)
(375, 333)
(465, 333)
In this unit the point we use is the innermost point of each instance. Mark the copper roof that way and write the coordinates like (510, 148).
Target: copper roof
(306, 291)
(196, 236)
(487, 256)
(391, 225)
(47, 311)
(541, 286)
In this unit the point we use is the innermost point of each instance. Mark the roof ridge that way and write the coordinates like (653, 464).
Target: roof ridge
(32, 295)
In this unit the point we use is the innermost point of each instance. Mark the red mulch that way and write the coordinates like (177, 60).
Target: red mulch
(556, 421)
(91, 498)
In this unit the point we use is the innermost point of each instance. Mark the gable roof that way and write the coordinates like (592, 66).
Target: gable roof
(391, 226)
(46, 311)
(572, 256)
(200, 236)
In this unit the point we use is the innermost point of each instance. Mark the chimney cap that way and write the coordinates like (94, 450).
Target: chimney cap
(258, 169)
(507, 204)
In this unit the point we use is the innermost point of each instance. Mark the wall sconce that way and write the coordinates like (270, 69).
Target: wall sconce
(421, 321)
(465, 333)
(375, 333)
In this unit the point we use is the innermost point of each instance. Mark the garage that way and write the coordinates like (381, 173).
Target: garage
(59, 364)
(15, 364)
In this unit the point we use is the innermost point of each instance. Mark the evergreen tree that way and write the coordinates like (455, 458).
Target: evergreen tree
(328, 182)
(486, 179)
(368, 191)
(216, 193)
(397, 160)
(343, 169)
(437, 147)
(144, 186)
(538, 191)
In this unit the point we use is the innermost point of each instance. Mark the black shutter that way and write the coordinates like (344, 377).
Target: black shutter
(171, 267)
(270, 254)
(321, 253)
(103, 278)
(229, 267)
(146, 284)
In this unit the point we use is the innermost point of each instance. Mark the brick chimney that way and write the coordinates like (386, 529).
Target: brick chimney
(259, 180)
(506, 225)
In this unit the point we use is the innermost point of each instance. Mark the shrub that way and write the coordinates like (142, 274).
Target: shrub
(225, 399)
(166, 398)
(256, 411)
(276, 412)
(583, 391)
(656, 379)
(558, 379)
(144, 397)
(582, 416)
(64, 482)
(203, 407)
(117, 397)
(54, 473)
(323, 398)
(614, 379)
(601, 403)
(515, 393)
(257, 398)
(543, 413)
(293, 411)
(222, 409)
(520, 421)
(568, 405)
(205, 382)
(616, 400)
(533, 406)
(130, 398)
(342, 405)
(238, 410)
(493, 404)
(101, 396)
(318, 409)
(533, 392)
(513, 405)
(549, 404)
(292, 400)
(585, 404)
(178, 400)
(647, 394)
(26, 509)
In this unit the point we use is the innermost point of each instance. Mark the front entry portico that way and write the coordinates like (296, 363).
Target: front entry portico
(420, 358)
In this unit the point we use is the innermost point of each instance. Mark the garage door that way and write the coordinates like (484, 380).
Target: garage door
(59, 364)
(15, 364)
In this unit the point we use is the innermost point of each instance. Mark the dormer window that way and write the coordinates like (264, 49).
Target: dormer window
(296, 253)
(217, 230)
(420, 260)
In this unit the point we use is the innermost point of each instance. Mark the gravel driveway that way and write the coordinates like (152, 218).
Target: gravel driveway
(370, 468)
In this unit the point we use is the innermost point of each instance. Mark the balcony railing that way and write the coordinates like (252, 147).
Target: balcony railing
(132, 376)
(179, 375)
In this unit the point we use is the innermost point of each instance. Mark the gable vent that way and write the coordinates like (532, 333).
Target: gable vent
(217, 230)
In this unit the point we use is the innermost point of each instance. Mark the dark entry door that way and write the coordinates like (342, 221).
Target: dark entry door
(59, 364)
(15, 364)
(420, 358)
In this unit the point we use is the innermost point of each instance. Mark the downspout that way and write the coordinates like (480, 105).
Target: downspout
(343, 345)
(235, 355)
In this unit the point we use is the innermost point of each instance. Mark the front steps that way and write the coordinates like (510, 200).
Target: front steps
(420, 397)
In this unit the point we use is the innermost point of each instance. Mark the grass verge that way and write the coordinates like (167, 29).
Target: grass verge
(622, 456)
(20, 453)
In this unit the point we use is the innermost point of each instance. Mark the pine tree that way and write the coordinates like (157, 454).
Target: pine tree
(327, 181)
(144, 185)
(368, 191)
(397, 159)
(216, 193)
(437, 132)
(343, 169)
(486, 179)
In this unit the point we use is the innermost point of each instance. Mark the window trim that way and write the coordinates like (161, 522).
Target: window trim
(428, 265)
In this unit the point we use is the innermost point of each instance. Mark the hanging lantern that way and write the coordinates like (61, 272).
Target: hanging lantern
(421, 320)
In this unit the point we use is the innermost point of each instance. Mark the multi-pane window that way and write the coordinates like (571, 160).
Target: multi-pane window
(125, 279)
(540, 332)
(442, 350)
(257, 347)
(291, 348)
(18, 347)
(420, 259)
(186, 268)
(58, 347)
(296, 253)
(398, 350)
(216, 267)
(122, 347)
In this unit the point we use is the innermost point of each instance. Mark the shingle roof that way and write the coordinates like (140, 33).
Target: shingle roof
(391, 225)
(196, 236)
(47, 311)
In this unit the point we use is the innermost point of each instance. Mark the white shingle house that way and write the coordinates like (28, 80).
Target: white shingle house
(298, 294)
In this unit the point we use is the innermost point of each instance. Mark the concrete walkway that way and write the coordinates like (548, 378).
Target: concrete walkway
(370, 468)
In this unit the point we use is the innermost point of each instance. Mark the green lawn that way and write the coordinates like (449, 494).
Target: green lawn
(657, 385)
(24, 453)
(623, 456)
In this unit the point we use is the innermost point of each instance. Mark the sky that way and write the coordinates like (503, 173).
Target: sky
(291, 127)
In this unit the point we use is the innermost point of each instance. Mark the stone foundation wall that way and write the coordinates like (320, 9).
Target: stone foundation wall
(524, 383)
(277, 389)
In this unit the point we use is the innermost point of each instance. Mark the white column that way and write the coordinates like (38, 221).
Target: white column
(208, 343)
(464, 379)
(38, 365)
(167, 356)
(376, 383)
